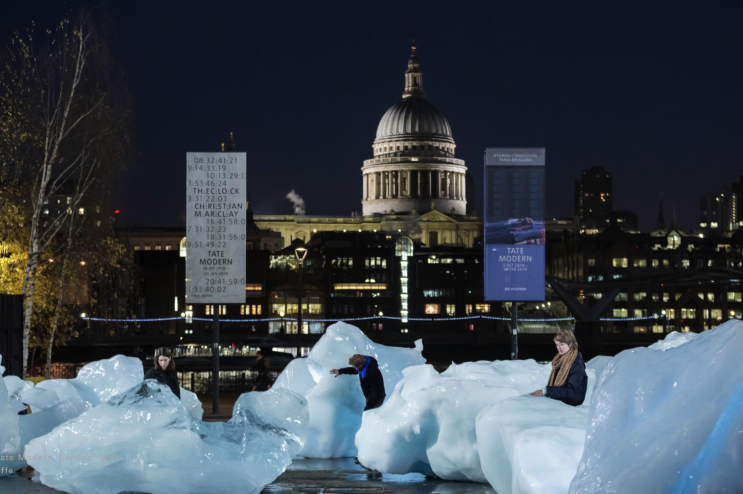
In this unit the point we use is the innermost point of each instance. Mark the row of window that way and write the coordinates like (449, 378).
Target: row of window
(684, 313)
(156, 247)
(446, 260)
(451, 309)
(665, 296)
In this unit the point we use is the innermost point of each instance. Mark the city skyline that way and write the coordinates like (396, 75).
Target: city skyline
(644, 91)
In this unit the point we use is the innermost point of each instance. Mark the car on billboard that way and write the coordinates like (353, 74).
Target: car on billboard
(516, 231)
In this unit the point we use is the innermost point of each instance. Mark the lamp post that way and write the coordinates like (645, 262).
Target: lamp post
(301, 253)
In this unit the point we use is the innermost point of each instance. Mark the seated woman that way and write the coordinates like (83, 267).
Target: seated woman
(568, 380)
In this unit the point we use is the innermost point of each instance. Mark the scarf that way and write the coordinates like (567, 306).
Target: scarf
(366, 366)
(562, 363)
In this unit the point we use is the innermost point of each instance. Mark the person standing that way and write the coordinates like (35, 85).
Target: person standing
(568, 381)
(370, 377)
(262, 382)
(164, 370)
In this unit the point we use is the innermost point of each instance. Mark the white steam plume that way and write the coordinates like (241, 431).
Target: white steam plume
(296, 199)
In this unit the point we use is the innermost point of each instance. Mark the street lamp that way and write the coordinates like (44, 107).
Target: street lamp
(301, 253)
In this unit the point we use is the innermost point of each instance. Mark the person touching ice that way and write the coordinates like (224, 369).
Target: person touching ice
(372, 382)
(164, 370)
(568, 380)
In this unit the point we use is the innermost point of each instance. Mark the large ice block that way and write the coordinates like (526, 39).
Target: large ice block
(144, 440)
(531, 445)
(10, 438)
(336, 404)
(428, 425)
(668, 421)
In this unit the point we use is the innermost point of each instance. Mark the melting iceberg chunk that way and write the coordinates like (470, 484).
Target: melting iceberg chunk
(144, 440)
(336, 404)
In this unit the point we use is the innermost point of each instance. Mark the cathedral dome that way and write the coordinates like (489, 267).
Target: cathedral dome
(415, 117)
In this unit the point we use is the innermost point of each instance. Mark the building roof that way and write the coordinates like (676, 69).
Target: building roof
(414, 117)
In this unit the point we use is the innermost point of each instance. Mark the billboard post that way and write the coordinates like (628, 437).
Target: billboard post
(514, 228)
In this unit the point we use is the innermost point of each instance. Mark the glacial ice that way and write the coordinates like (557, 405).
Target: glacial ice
(428, 424)
(10, 438)
(336, 404)
(475, 422)
(530, 445)
(144, 440)
(96, 382)
(668, 421)
(56, 401)
(673, 340)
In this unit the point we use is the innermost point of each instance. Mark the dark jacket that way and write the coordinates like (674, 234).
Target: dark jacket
(372, 385)
(163, 377)
(574, 391)
(262, 380)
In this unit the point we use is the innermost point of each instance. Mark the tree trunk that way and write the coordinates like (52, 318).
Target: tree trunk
(29, 306)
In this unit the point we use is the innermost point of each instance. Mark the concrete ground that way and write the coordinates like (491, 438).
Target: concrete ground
(314, 477)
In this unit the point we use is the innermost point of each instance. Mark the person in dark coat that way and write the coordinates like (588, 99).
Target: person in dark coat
(164, 370)
(372, 382)
(568, 380)
(263, 381)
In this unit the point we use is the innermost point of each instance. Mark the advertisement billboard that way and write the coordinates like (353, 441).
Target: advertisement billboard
(215, 228)
(514, 224)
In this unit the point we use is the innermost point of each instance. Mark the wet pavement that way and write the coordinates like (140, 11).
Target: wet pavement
(338, 476)
(344, 476)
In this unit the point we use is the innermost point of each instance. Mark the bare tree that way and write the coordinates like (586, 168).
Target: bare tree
(74, 112)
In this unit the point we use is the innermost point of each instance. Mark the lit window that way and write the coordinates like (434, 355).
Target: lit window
(81, 211)
(158, 247)
(432, 308)
(451, 309)
(209, 310)
(136, 247)
(361, 286)
(147, 247)
(620, 262)
(591, 261)
(482, 308)
(640, 263)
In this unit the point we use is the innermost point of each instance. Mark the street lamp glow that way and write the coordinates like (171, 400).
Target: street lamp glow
(83, 315)
(301, 253)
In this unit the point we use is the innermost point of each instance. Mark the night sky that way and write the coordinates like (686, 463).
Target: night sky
(649, 90)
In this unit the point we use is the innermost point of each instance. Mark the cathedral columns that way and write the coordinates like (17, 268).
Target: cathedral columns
(365, 194)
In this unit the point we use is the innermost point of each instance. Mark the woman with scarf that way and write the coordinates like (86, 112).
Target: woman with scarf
(372, 382)
(568, 380)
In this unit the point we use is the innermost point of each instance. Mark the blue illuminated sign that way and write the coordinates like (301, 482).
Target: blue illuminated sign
(514, 224)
